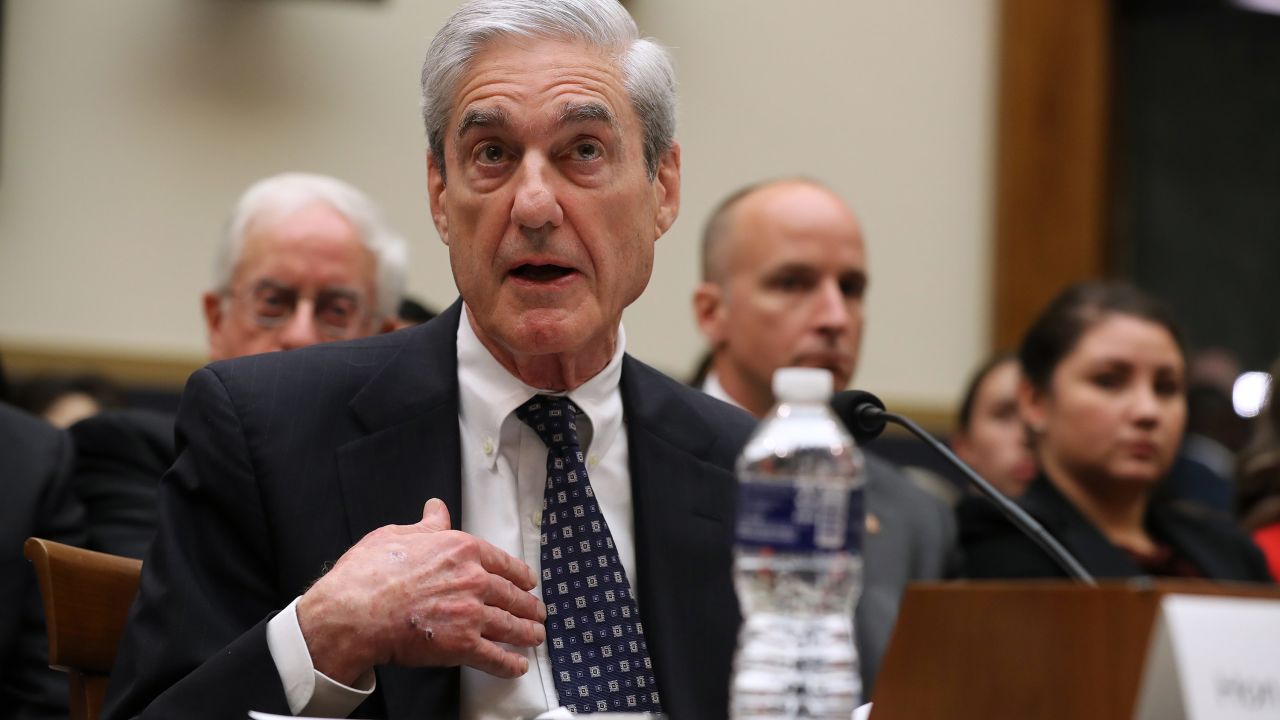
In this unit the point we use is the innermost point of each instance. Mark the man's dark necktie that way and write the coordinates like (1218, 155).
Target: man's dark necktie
(594, 635)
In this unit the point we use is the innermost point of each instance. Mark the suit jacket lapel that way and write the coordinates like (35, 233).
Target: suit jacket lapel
(410, 454)
(683, 512)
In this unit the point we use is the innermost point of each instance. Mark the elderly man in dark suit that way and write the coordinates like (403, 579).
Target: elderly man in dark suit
(505, 512)
(305, 259)
(784, 273)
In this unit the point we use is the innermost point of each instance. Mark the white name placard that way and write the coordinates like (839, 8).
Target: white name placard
(1213, 658)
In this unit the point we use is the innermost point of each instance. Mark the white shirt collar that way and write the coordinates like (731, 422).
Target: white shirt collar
(711, 386)
(488, 394)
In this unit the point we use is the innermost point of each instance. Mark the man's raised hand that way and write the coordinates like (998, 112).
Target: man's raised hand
(422, 595)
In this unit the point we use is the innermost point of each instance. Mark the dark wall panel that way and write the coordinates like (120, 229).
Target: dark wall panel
(1196, 214)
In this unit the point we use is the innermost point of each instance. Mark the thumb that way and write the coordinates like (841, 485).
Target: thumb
(435, 515)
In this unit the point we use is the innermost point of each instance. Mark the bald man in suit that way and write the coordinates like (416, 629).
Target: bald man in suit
(784, 277)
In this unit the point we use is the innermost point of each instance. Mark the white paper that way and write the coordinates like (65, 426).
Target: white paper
(1213, 658)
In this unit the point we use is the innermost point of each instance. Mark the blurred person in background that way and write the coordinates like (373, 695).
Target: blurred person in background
(35, 472)
(1104, 397)
(412, 312)
(1257, 490)
(784, 273)
(64, 400)
(989, 434)
(1206, 464)
(1215, 431)
(305, 259)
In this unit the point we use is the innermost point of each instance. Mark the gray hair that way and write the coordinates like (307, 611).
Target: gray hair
(282, 194)
(646, 68)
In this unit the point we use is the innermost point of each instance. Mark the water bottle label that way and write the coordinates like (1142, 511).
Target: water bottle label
(803, 517)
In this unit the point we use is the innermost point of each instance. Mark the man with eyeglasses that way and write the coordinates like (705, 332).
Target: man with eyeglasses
(305, 259)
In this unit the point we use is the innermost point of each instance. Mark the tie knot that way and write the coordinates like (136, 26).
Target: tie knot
(554, 418)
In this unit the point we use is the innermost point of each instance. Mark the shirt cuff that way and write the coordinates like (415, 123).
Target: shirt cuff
(308, 690)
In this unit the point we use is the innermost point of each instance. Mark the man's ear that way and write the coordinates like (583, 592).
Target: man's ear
(708, 311)
(666, 187)
(214, 318)
(389, 324)
(435, 193)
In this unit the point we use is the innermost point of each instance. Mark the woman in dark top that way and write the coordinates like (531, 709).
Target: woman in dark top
(1103, 397)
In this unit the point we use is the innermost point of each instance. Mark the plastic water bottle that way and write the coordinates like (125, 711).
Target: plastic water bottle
(798, 558)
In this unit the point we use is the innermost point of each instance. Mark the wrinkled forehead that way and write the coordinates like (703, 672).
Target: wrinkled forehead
(512, 76)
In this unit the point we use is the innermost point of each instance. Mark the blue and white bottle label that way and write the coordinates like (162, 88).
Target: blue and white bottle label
(804, 517)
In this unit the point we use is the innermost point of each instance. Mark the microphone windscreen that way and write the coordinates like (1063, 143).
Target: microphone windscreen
(851, 406)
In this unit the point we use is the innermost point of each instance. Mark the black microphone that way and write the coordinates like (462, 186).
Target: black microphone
(865, 416)
(854, 408)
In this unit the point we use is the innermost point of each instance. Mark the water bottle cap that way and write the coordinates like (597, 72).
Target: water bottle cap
(802, 384)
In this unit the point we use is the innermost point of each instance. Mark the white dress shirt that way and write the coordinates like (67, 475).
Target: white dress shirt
(504, 472)
(711, 386)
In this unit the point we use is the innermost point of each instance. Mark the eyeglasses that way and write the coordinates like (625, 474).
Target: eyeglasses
(336, 311)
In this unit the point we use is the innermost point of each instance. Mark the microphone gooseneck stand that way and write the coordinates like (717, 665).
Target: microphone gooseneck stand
(867, 418)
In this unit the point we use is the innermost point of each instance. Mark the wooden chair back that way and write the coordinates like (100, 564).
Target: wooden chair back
(86, 596)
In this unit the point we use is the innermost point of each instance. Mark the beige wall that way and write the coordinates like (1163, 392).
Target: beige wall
(130, 126)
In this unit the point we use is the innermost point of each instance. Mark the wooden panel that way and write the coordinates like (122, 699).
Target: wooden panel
(1025, 649)
(1034, 652)
(1052, 166)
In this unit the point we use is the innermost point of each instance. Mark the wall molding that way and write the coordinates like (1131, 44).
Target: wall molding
(151, 370)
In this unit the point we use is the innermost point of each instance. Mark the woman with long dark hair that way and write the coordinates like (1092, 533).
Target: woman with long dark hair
(1103, 397)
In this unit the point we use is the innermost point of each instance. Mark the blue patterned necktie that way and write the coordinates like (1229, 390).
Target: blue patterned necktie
(594, 635)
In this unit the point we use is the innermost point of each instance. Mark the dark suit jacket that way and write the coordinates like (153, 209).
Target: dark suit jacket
(120, 456)
(911, 537)
(35, 470)
(286, 459)
(994, 548)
